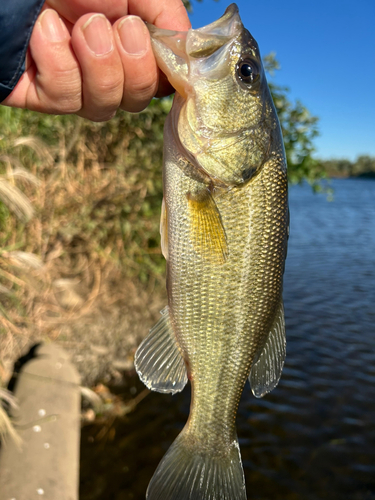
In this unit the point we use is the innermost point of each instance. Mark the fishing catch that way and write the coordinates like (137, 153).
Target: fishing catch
(224, 231)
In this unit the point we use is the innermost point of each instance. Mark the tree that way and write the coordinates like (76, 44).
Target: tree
(299, 128)
(98, 186)
(364, 165)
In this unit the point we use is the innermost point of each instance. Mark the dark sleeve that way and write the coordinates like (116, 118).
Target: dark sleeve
(17, 19)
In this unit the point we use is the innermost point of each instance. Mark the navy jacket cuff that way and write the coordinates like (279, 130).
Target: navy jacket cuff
(17, 19)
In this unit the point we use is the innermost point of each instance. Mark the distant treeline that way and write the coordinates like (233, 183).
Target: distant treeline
(363, 166)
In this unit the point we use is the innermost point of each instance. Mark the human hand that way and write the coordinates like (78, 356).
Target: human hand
(79, 63)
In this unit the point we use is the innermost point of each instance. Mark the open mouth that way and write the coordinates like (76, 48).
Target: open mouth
(174, 50)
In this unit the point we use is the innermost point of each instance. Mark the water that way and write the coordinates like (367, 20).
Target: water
(313, 437)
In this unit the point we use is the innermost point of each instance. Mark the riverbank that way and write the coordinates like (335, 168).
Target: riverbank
(313, 436)
(362, 166)
(101, 340)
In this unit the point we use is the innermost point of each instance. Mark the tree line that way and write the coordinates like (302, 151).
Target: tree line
(362, 166)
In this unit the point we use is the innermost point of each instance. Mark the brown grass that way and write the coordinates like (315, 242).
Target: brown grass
(78, 228)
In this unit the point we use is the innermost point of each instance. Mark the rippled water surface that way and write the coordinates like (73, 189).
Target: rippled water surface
(313, 437)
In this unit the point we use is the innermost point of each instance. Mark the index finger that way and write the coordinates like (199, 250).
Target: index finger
(167, 14)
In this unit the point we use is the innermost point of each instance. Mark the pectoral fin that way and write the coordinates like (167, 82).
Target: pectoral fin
(206, 228)
(164, 230)
(158, 360)
(266, 371)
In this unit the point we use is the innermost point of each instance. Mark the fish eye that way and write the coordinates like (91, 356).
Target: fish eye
(247, 71)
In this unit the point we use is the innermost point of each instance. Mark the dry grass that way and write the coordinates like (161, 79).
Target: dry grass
(79, 218)
(78, 223)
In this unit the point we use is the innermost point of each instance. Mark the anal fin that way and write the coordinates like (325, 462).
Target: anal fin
(206, 228)
(266, 371)
(158, 360)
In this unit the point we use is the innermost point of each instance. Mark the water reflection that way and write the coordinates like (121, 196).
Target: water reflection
(312, 438)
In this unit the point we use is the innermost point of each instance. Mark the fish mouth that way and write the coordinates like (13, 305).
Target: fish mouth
(174, 50)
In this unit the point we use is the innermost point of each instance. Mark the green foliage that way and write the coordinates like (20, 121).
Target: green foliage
(299, 130)
(100, 185)
(188, 4)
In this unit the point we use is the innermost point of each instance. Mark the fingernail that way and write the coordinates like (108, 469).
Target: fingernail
(133, 35)
(97, 33)
(52, 26)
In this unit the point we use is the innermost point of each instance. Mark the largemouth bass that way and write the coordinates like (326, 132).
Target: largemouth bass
(224, 234)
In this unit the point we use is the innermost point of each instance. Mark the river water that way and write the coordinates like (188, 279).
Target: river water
(313, 437)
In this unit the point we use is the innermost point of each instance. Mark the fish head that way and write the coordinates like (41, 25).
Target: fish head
(225, 115)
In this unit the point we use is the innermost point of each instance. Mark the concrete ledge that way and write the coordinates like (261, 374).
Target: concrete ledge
(48, 422)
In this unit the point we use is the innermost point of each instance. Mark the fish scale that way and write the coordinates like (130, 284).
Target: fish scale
(224, 231)
(202, 286)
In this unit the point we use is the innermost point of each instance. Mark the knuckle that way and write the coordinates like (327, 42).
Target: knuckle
(64, 93)
(62, 80)
(138, 95)
(98, 110)
(101, 104)
(134, 106)
(70, 107)
(109, 88)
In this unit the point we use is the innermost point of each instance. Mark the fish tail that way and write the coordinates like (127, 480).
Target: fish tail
(189, 473)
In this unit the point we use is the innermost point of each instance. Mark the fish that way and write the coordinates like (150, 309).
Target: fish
(224, 231)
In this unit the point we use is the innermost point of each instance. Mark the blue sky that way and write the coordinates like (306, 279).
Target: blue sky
(326, 50)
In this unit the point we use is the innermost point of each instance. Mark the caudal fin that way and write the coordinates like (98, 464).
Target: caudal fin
(186, 473)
